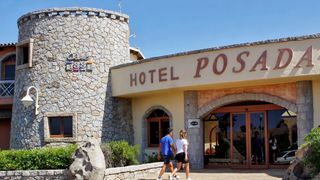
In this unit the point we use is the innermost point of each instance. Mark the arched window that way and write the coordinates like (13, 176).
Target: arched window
(158, 123)
(8, 67)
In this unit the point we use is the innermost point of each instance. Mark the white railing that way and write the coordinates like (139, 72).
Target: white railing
(6, 88)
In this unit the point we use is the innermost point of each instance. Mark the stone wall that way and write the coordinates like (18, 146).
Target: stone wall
(195, 135)
(36, 175)
(128, 172)
(117, 123)
(305, 109)
(58, 34)
(133, 172)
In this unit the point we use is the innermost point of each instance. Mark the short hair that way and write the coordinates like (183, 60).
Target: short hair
(169, 130)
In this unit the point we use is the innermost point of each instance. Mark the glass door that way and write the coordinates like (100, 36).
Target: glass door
(250, 135)
(239, 139)
(257, 138)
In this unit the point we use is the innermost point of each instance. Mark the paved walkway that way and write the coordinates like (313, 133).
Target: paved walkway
(229, 174)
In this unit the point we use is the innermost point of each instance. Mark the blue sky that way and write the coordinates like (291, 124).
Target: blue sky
(170, 26)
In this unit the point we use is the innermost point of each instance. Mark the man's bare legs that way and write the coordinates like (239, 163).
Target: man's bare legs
(164, 167)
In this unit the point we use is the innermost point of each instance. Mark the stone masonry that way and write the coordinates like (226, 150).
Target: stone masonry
(305, 109)
(129, 172)
(195, 135)
(58, 33)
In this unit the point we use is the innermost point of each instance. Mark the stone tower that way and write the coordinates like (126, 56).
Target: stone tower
(66, 53)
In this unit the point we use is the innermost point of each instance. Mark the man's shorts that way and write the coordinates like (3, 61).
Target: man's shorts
(166, 159)
(181, 158)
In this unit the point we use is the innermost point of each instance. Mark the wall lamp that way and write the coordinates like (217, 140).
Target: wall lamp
(27, 100)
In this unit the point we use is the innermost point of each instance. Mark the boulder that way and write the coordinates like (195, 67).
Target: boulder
(88, 162)
(302, 152)
(297, 170)
(317, 177)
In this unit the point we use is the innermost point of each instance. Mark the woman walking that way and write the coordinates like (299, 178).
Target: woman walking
(182, 154)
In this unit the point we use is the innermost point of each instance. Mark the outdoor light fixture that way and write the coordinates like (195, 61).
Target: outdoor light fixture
(27, 100)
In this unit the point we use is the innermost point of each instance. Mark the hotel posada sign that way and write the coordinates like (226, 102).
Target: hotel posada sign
(247, 63)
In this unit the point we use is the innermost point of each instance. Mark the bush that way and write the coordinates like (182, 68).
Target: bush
(313, 158)
(153, 158)
(39, 158)
(120, 153)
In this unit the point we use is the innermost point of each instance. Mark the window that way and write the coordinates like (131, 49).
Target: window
(158, 123)
(9, 72)
(60, 126)
(24, 53)
(8, 67)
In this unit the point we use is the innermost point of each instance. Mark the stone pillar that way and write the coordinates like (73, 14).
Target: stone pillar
(304, 109)
(195, 135)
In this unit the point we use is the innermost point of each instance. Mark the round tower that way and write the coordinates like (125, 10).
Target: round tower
(66, 54)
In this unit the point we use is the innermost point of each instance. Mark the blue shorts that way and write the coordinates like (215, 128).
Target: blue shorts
(166, 159)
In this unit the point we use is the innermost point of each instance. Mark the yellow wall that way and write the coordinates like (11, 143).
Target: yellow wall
(172, 101)
(316, 102)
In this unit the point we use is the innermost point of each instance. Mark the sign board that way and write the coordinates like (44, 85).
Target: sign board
(193, 123)
(265, 62)
(76, 64)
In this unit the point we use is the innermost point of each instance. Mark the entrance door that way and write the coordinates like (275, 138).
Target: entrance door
(5, 133)
(248, 142)
(249, 135)
(239, 139)
(258, 142)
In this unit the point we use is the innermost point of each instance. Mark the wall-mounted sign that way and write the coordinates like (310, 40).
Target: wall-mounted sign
(193, 123)
(76, 64)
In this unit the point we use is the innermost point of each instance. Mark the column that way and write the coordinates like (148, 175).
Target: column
(304, 109)
(195, 135)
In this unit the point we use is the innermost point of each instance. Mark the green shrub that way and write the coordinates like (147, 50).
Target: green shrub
(153, 158)
(38, 158)
(313, 158)
(120, 153)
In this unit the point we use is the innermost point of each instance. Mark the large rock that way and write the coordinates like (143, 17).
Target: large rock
(317, 177)
(89, 163)
(297, 170)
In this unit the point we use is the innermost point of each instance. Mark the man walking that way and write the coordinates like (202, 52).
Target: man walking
(167, 149)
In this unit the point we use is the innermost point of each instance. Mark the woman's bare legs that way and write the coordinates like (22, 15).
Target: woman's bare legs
(187, 170)
(177, 168)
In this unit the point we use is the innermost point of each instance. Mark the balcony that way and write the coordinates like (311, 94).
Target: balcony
(6, 88)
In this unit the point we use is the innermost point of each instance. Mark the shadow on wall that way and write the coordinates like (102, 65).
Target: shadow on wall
(117, 118)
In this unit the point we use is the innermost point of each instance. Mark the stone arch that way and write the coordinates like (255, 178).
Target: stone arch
(151, 109)
(144, 143)
(214, 104)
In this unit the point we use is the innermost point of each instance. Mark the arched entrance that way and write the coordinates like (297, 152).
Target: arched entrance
(250, 134)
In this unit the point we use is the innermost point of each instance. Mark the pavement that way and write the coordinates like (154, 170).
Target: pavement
(228, 174)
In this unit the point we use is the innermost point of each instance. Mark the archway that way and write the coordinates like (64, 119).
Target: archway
(241, 132)
(203, 111)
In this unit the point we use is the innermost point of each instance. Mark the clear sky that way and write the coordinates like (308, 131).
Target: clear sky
(171, 26)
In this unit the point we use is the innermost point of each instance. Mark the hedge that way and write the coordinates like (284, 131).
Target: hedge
(38, 158)
(119, 153)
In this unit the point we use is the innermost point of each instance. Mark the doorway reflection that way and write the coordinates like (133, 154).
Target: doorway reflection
(282, 128)
(239, 130)
(258, 155)
(217, 138)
